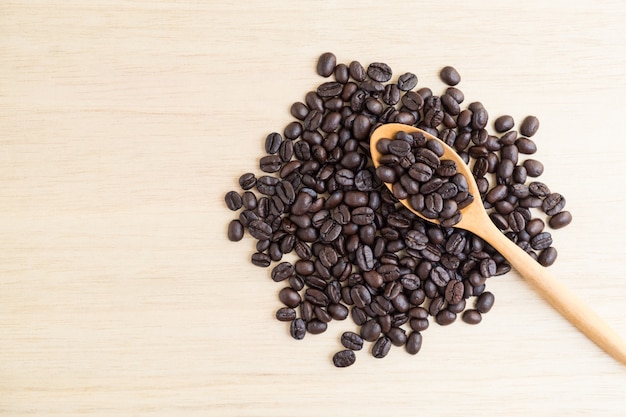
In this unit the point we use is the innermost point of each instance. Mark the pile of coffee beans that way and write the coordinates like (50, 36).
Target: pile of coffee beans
(414, 167)
(341, 244)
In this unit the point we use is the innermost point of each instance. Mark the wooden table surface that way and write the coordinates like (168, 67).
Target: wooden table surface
(124, 123)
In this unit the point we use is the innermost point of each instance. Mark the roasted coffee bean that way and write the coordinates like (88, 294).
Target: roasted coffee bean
(247, 181)
(357, 71)
(560, 219)
(533, 167)
(261, 259)
(485, 301)
(454, 292)
(260, 230)
(541, 241)
(344, 358)
(270, 163)
(553, 204)
(297, 329)
(352, 341)
(329, 89)
(282, 271)
(233, 200)
(450, 76)
(370, 330)
(289, 297)
(414, 343)
(547, 256)
(445, 317)
(379, 71)
(407, 81)
(286, 314)
(326, 64)
(516, 220)
(538, 189)
(235, 231)
(529, 126)
(472, 316)
(381, 347)
(316, 326)
(273, 142)
(338, 311)
(503, 123)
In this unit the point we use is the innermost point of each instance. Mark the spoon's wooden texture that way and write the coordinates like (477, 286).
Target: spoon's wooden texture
(476, 220)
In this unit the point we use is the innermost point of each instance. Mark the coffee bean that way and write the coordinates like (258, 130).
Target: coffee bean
(407, 81)
(286, 314)
(547, 256)
(560, 219)
(344, 358)
(297, 329)
(414, 343)
(450, 76)
(260, 259)
(381, 347)
(533, 167)
(445, 317)
(326, 64)
(541, 241)
(235, 231)
(289, 297)
(472, 316)
(379, 71)
(260, 230)
(485, 301)
(529, 126)
(233, 200)
(553, 204)
(370, 330)
(454, 292)
(352, 341)
(503, 123)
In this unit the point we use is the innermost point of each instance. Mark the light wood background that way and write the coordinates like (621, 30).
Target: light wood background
(122, 125)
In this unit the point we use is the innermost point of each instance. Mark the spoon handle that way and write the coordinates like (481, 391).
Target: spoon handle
(561, 298)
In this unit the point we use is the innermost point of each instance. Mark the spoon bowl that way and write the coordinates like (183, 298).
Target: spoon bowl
(476, 220)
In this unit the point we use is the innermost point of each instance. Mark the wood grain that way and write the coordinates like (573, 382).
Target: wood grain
(122, 125)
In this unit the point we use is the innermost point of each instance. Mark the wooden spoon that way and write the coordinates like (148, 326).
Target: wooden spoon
(476, 220)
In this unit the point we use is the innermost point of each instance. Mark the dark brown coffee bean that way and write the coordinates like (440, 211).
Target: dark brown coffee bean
(445, 317)
(560, 219)
(233, 200)
(485, 302)
(414, 343)
(289, 297)
(344, 358)
(472, 316)
(538, 189)
(553, 204)
(326, 64)
(407, 81)
(503, 123)
(338, 311)
(529, 126)
(235, 231)
(260, 230)
(316, 326)
(370, 330)
(526, 146)
(286, 314)
(454, 292)
(381, 347)
(547, 256)
(533, 167)
(517, 223)
(379, 71)
(352, 341)
(541, 241)
(297, 329)
(329, 89)
(450, 76)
